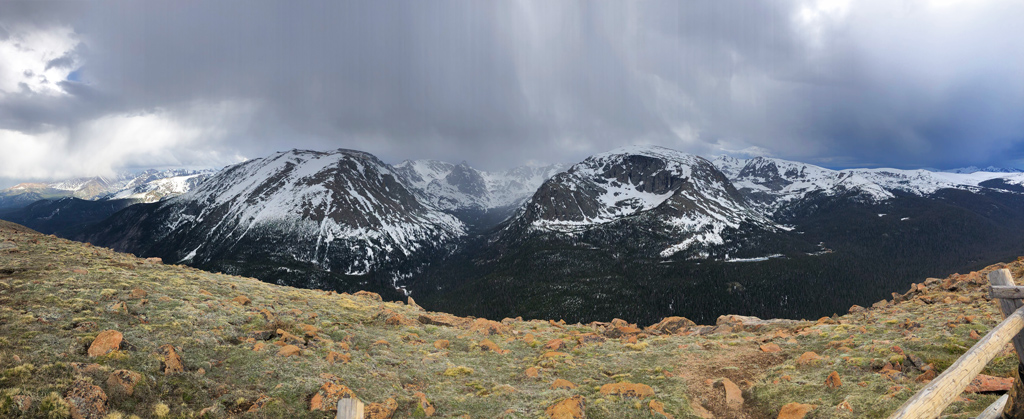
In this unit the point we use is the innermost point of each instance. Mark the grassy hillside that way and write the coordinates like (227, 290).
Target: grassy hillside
(197, 344)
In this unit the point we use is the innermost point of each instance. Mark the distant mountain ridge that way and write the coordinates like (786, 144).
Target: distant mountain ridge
(147, 186)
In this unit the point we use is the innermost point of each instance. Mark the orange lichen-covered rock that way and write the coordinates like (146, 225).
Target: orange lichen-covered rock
(241, 300)
(488, 327)
(770, 348)
(809, 358)
(327, 397)
(335, 357)
(384, 410)
(670, 325)
(289, 350)
(106, 342)
(833, 380)
(369, 295)
(626, 389)
(658, 410)
(532, 372)
(123, 381)
(424, 404)
(795, 411)
(86, 400)
(733, 394)
(441, 344)
(989, 384)
(562, 384)
(554, 344)
(170, 361)
(571, 408)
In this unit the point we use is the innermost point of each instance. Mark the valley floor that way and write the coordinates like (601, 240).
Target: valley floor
(190, 343)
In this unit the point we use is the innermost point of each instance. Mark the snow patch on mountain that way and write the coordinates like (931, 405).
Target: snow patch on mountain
(451, 186)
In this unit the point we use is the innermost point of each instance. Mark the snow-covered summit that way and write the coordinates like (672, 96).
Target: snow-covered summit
(451, 186)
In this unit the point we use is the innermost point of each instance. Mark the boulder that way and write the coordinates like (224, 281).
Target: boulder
(809, 358)
(86, 400)
(241, 300)
(562, 384)
(393, 318)
(770, 348)
(123, 381)
(488, 327)
(627, 389)
(289, 350)
(384, 410)
(554, 345)
(571, 408)
(170, 361)
(424, 405)
(327, 397)
(106, 342)
(441, 344)
(670, 325)
(658, 410)
(137, 293)
(368, 295)
(335, 357)
(532, 372)
(795, 411)
(733, 394)
(989, 384)
(620, 331)
(833, 381)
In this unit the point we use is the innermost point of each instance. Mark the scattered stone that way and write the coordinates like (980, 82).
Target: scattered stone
(412, 303)
(833, 381)
(701, 411)
(733, 394)
(488, 327)
(241, 300)
(137, 293)
(423, 404)
(627, 389)
(369, 295)
(551, 354)
(441, 344)
(155, 261)
(289, 339)
(770, 348)
(381, 410)
(80, 271)
(533, 372)
(309, 330)
(658, 410)
(620, 331)
(205, 292)
(86, 400)
(926, 376)
(562, 384)
(22, 402)
(795, 411)
(328, 396)
(260, 402)
(529, 338)
(845, 405)
(879, 304)
(259, 346)
(809, 358)
(106, 342)
(334, 357)
(170, 361)
(671, 325)
(86, 369)
(441, 319)
(123, 381)
(118, 307)
(571, 408)
(590, 338)
(392, 318)
(289, 350)
(381, 342)
(989, 384)
(487, 345)
(974, 335)
(554, 345)
(855, 309)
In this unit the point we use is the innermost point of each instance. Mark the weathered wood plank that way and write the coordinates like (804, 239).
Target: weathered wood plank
(995, 410)
(1006, 292)
(940, 392)
(1002, 277)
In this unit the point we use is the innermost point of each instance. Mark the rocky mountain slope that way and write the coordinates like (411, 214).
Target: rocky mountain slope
(89, 332)
(333, 220)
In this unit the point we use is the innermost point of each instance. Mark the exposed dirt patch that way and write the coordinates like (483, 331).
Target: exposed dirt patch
(742, 365)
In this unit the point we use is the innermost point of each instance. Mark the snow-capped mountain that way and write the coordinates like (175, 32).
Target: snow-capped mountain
(343, 212)
(683, 197)
(147, 186)
(450, 186)
(991, 169)
(770, 183)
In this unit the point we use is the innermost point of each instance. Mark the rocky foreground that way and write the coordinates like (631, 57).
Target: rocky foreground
(86, 332)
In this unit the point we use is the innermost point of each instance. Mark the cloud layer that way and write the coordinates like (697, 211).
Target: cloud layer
(90, 87)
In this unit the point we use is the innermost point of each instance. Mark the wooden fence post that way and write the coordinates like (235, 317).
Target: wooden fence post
(1014, 408)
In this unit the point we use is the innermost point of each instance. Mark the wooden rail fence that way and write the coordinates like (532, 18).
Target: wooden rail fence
(940, 392)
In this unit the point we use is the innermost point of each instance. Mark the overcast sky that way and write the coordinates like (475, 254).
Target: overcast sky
(90, 87)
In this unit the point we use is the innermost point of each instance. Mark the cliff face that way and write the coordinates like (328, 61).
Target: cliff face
(88, 331)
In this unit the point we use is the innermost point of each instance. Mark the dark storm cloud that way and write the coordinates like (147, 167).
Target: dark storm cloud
(906, 84)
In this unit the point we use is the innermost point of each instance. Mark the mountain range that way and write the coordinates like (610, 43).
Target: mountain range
(638, 233)
(146, 186)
